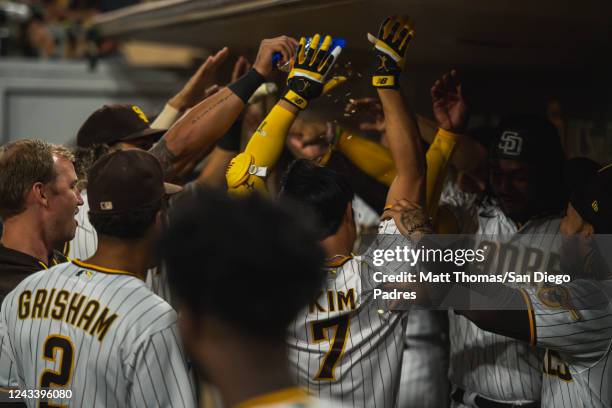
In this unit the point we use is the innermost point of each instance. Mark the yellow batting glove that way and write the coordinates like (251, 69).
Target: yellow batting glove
(333, 83)
(394, 35)
(312, 64)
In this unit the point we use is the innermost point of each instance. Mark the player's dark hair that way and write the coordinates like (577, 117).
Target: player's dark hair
(248, 262)
(320, 189)
(131, 224)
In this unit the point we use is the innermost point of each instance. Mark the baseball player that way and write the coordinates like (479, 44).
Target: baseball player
(424, 378)
(230, 344)
(308, 80)
(574, 321)
(116, 127)
(127, 127)
(346, 344)
(92, 328)
(526, 159)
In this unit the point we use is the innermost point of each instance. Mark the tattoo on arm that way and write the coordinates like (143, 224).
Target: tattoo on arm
(161, 151)
(210, 108)
(415, 223)
(165, 156)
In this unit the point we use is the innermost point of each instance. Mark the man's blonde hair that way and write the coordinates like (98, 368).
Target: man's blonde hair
(23, 163)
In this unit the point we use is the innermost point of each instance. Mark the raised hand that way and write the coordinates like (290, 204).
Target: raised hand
(449, 107)
(308, 77)
(194, 90)
(394, 35)
(241, 67)
(284, 45)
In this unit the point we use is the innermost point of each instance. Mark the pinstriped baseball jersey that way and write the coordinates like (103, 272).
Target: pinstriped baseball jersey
(574, 322)
(157, 281)
(8, 379)
(101, 334)
(423, 378)
(489, 364)
(85, 243)
(364, 214)
(558, 385)
(346, 345)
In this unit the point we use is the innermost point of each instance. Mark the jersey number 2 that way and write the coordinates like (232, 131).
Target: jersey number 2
(320, 332)
(63, 375)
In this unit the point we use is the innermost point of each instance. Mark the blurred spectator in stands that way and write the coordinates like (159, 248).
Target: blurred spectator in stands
(50, 28)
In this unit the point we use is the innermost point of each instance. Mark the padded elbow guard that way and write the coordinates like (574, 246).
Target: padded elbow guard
(243, 175)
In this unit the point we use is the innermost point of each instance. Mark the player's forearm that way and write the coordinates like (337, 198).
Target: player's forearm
(199, 129)
(248, 170)
(370, 157)
(267, 142)
(469, 154)
(509, 323)
(427, 127)
(375, 160)
(438, 158)
(496, 308)
(184, 167)
(213, 174)
(205, 123)
(405, 145)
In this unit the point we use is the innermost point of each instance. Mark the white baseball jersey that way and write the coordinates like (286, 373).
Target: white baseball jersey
(85, 243)
(157, 281)
(100, 333)
(559, 390)
(8, 378)
(574, 322)
(365, 215)
(494, 366)
(346, 345)
(424, 379)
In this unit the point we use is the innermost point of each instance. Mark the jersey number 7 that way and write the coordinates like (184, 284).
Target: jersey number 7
(63, 375)
(320, 332)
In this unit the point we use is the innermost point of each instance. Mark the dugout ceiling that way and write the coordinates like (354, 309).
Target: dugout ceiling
(473, 32)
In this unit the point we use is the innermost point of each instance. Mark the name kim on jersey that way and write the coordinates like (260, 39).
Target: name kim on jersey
(332, 301)
(71, 307)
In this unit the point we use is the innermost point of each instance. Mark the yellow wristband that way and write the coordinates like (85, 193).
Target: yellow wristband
(295, 99)
(383, 81)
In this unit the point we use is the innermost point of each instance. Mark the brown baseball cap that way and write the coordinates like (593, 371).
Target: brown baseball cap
(114, 123)
(126, 180)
